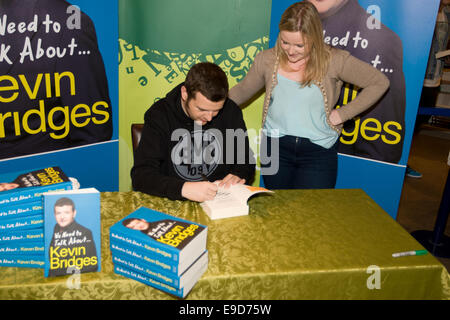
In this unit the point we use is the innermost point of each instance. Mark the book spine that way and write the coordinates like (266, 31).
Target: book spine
(24, 223)
(152, 261)
(31, 193)
(152, 246)
(128, 273)
(150, 272)
(21, 210)
(29, 248)
(23, 236)
(29, 261)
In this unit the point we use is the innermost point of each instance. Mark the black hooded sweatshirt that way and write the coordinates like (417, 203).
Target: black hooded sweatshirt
(173, 150)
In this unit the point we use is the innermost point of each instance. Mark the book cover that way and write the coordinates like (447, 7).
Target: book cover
(162, 234)
(181, 293)
(28, 222)
(230, 202)
(18, 248)
(16, 187)
(72, 231)
(22, 261)
(164, 277)
(154, 261)
(22, 236)
(22, 209)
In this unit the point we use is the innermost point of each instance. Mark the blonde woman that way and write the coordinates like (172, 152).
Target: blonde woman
(303, 77)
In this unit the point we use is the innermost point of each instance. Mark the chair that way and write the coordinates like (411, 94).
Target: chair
(136, 131)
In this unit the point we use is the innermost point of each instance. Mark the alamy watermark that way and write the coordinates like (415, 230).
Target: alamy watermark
(74, 281)
(374, 280)
(199, 152)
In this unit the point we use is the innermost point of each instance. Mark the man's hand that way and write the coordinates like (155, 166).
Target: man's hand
(230, 180)
(199, 191)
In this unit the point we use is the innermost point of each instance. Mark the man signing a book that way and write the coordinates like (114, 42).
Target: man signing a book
(193, 141)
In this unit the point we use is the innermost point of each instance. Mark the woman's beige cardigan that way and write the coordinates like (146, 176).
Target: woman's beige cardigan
(343, 67)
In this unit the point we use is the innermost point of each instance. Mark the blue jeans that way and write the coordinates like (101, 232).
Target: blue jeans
(302, 165)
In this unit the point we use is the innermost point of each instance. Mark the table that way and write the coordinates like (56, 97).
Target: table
(294, 244)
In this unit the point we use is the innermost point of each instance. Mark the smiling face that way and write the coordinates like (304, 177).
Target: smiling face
(293, 45)
(138, 224)
(199, 108)
(64, 215)
(300, 42)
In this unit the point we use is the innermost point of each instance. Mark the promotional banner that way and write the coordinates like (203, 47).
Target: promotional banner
(58, 88)
(395, 38)
(159, 42)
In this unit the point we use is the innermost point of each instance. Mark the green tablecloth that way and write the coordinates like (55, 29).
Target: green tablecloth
(294, 244)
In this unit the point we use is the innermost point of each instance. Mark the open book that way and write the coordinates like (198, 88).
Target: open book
(231, 202)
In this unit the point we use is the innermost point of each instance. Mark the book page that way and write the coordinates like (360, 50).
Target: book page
(225, 198)
(236, 195)
(85, 190)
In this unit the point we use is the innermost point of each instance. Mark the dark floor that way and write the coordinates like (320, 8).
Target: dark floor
(420, 200)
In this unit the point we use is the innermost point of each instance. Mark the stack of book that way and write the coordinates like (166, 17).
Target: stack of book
(22, 215)
(160, 250)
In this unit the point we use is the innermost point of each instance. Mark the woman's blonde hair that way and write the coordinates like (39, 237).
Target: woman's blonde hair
(304, 17)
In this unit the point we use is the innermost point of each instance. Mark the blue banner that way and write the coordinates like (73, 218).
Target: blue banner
(395, 38)
(59, 88)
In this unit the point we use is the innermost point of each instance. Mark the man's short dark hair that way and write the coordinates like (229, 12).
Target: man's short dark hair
(127, 221)
(208, 79)
(65, 202)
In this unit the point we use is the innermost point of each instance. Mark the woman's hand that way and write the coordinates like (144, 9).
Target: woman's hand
(335, 118)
